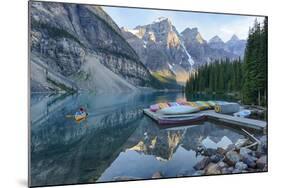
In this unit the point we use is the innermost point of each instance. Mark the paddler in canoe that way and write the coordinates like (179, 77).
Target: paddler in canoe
(81, 114)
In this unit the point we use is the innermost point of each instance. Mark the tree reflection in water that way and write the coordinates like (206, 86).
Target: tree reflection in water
(115, 140)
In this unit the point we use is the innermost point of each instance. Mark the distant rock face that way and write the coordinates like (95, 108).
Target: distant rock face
(205, 52)
(234, 45)
(216, 43)
(67, 40)
(160, 48)
(195, 44)
(63, 36)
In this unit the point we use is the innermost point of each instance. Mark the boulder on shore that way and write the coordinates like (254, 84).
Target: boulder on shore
(257, 154)
(222, 164)
(261, 162)
(202, 164)
(262, 147)
(216, 158)
(209, 152)
(230, 147)
(242, 142)
(244, 152)
(249, 161)
(232, 157)
(241, 166)
(212, 169)
(226, 171)
(221, 151)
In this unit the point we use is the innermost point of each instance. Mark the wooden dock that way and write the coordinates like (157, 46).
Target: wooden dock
(212, 115)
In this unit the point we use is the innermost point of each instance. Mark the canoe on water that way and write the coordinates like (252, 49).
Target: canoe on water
(185, 120)
(178, 110)
(243, 113)
(80, 116)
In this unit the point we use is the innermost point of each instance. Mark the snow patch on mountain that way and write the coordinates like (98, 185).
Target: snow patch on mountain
(171, 68)
(133, 31)
(160, 19)
(190, 60)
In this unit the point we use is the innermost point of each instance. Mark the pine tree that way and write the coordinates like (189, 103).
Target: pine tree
(247, 77)
(255, 65)
(218, 76)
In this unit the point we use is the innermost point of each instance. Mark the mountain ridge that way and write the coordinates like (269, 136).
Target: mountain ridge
(63, 36)
(159, 46)
(160, 35)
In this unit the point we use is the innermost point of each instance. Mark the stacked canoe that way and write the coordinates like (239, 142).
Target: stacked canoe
(182, 111)
(182, 107)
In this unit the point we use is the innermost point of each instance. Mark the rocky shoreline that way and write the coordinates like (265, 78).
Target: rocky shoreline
(241, 157)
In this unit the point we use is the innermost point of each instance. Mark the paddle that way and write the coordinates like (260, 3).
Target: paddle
(69, 116)
(72, 116)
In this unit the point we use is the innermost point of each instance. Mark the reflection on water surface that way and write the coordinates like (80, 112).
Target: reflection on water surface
(116, 140)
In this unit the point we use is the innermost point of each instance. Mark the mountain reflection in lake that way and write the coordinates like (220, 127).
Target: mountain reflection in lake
(116, 140)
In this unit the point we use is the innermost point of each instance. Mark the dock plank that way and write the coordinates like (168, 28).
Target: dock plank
(243, 122)
(211, 114)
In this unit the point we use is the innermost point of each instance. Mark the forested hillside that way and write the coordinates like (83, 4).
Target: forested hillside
(247, 77)
(218, 76)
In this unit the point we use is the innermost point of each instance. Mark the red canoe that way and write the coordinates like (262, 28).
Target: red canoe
(186, 120)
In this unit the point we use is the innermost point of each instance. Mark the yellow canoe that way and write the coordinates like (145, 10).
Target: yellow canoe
(80, 117)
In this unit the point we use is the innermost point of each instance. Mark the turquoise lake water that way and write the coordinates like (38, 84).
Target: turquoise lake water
(115, 141)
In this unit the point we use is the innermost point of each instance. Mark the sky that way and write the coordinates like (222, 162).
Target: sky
(208, 24)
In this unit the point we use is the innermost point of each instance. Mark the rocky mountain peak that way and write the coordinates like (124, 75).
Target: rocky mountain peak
(234, 38)
(159, 31)
(161, 25)
(162, 50)
(190, 32)
(192, 36)
(216, 39)
(200, 39)
(162, 19)
(236, 45)
(136, 32)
